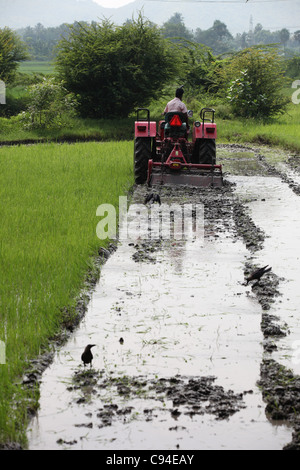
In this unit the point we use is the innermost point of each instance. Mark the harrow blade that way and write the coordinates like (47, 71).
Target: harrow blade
(203, 181)
(190, 176)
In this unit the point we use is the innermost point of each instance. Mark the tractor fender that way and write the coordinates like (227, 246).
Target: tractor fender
(145, 129)
(208, 130)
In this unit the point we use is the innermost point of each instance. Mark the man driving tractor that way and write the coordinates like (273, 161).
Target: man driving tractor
(176, 105)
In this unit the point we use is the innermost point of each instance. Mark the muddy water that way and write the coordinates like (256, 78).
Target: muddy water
(275, 208)
(183, 314)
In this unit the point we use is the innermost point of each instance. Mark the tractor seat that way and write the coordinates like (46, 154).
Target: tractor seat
(174, 130)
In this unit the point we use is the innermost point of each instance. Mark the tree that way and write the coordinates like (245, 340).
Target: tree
(284, 36)
(293, 67)
(113, 69)
(175, 28)
(256, 82)
(218, 38)
(42, 41)
(262, 36)
(12, 51)
(201, 68)
(297, 36)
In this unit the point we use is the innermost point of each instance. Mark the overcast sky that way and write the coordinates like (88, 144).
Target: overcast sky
(112, 3)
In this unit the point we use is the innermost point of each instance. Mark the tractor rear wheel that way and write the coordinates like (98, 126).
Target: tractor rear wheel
(142, 154)
(207, 151)
(204, 151)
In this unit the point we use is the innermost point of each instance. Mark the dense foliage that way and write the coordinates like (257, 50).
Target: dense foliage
(49, 104)
(217, 37)
(201, 69)
(256, 83)
(41, 41)
(112, 69)
(12, 51)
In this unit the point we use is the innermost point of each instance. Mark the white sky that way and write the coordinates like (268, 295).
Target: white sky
(112, 3)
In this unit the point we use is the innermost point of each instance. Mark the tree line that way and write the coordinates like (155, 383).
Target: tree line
(41, 41)
(106, 71)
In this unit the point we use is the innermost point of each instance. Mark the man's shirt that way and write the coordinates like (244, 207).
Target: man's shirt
(175, 105)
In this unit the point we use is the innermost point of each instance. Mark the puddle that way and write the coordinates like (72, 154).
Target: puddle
(183, 316)
(240, 160)
(291, 173)
(275, 208)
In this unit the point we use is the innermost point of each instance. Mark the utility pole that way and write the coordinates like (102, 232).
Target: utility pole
(251, 32)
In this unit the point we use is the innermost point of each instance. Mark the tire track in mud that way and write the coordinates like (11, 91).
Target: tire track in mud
(280, 386)
(272, 170)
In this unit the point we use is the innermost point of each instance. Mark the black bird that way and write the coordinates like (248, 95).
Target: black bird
(87, 355)
(256, 275)
(152, 197)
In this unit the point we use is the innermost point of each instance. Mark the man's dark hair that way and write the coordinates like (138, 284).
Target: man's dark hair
(179, 93)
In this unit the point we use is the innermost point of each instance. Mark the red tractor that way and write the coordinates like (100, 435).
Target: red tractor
(167, 156)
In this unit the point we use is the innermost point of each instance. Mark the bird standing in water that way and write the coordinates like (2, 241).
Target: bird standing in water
(152, 197)
(256, 275)
(87, 355)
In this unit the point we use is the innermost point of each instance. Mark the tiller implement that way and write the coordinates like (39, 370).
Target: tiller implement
(168, 157)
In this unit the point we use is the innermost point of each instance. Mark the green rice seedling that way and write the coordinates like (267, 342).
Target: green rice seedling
(282, 131)
(37, 66)
(49, 194)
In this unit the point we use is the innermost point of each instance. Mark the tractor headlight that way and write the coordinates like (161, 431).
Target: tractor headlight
(197, 123)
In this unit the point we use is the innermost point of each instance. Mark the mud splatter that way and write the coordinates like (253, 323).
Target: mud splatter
(281, 392)
(191, 396)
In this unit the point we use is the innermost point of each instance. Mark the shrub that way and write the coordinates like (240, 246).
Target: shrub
(293, 67)
(256, 82)
(17, 100)
(114, 69)
(49, 103)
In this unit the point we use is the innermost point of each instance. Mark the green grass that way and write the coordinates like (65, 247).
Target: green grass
(283, 131)
(12, 130)
(37, 66)
(49, 194)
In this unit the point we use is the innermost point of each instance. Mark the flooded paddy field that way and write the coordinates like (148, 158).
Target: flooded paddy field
(187, 355)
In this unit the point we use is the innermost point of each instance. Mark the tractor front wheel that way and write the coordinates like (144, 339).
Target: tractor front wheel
(142, 154)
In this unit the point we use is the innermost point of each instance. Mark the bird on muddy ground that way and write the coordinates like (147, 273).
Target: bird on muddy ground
(152, 197)
(87, 355)
(257, 275)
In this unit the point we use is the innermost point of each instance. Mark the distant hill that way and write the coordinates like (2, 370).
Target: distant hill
(272, 15)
